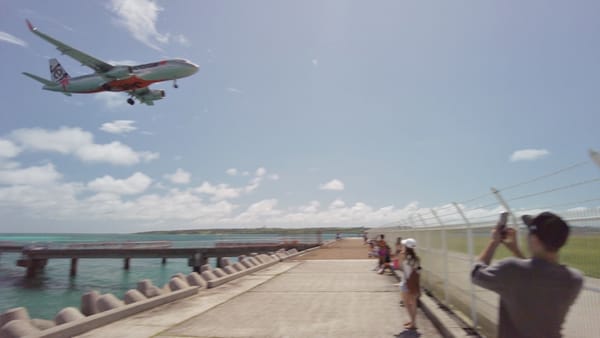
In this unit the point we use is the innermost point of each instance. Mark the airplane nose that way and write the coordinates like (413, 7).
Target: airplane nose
(193, 68)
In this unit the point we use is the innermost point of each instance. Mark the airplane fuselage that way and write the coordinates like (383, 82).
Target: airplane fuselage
(126, 78)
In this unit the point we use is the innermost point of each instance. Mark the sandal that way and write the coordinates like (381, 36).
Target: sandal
(407, 324)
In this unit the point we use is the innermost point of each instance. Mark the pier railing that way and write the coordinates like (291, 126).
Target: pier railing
(451, 236)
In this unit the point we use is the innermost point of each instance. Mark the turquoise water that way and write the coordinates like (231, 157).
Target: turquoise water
(53, 289)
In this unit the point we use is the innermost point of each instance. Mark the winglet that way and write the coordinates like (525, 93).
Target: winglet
(31, 27)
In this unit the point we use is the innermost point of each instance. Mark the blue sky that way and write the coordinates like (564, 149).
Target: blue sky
(331, 113)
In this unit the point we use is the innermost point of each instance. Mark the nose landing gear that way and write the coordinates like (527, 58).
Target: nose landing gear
(175, 85)
(130, 101)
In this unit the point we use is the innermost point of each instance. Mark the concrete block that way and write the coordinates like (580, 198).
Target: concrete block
(260, 259)
(247, 264)
(275, 257)
(177, 284)
(42, 324)
(166, 288)
(241, 258)
(229, 270)
(133, 296)
(68, 314)
(219, 272)
(195, 279)
(17, 313)
(88, 303)
(225, 262)
(149, 290)
(205, 267)
(18, 328)
(179, 275)
(108, 302)
(208, 275)
(238, 266)
(255, 261)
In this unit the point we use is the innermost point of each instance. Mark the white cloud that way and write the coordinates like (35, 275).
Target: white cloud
(315, 62)
(261, 172)
(30, 176)
(139, 18)
(118, 126)
(8, 149)
(337, 204)
(79, 143)
(12, 39)
(335, 185)
(232, 172)
(274, 177)
(180, 176)
(112, 100)
(219, 192)
(528, 155)
(246, 173)
(182, 40)
(234, 90)
(134, 184)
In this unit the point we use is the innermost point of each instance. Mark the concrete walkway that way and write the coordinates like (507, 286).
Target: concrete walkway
(313, 298)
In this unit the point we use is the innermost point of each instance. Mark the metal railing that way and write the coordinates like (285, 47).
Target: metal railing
(451, 236)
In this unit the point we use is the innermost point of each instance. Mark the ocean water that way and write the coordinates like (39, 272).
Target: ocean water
(53, 289)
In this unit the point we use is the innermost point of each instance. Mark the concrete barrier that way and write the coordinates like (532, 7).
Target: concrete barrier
(88, 303)
(68, 314)
(148, 289)
(176, 284)
(133, 296)
(247, 264)
(179, 275)
(42, 324)
(238, 266)
(219, 272)
(225, 262)
(194, 279)
(252, 268)
(18, 313)
(108, 302)
(208, 276)
(19, 328)
(103, 318)
(229, 270)
(205, 267)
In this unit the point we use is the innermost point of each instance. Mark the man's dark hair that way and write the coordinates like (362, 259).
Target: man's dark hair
(382, 236)
(549, 228)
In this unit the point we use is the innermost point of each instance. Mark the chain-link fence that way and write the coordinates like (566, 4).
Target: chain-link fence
(450, 238)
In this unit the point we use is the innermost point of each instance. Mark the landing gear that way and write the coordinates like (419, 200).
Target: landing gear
(130, 101)
(175, 85)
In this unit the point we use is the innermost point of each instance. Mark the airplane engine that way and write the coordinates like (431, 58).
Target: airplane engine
(119, 72)
(154, 95)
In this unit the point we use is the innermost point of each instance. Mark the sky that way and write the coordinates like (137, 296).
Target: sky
(303, 113)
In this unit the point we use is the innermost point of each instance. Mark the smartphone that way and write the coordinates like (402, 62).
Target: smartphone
(501, 225)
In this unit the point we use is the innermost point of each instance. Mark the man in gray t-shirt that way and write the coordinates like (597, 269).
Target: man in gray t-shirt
(535, 294)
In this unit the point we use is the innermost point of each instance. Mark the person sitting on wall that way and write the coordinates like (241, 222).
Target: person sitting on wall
(387, 261)
(536, 293)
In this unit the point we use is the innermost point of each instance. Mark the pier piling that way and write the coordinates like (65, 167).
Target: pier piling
(126, 263)
(73, 270)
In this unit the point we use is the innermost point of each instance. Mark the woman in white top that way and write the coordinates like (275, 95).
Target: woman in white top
(410, 265)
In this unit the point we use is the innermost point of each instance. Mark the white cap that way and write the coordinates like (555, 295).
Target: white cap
(409, 243)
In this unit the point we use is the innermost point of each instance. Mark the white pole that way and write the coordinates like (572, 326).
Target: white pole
(445, 249)
(471, 262)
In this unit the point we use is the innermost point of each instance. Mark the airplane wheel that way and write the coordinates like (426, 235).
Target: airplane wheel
(130, 101)
(175, 86)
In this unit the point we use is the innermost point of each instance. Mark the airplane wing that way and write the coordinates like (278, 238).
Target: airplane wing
(85, 59)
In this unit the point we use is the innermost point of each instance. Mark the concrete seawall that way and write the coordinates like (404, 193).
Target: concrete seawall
(98, 310)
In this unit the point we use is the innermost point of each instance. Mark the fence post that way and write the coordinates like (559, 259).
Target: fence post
(471, 262)
(496, 193)
(445, 249)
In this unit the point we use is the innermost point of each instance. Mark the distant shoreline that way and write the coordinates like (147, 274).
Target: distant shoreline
(254, 231)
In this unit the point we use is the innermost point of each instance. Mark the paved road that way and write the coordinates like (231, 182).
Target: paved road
(311, 298)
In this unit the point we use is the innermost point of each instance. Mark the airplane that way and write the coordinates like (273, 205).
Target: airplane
(135, 80)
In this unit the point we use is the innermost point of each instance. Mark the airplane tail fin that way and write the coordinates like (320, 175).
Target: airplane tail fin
(57, 72)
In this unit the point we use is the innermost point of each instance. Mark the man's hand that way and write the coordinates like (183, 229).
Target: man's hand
(511, 242)
(496, 236)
